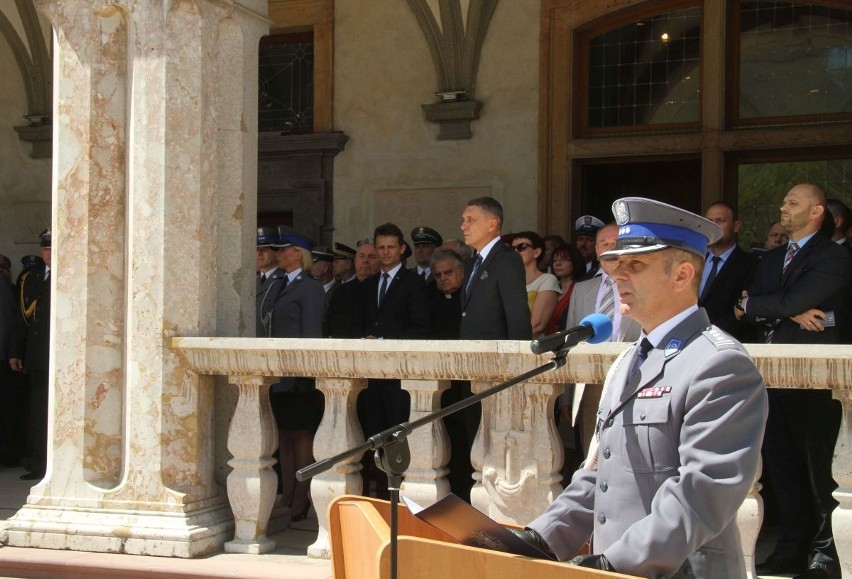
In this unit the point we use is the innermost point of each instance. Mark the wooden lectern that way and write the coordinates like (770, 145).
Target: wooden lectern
(360, 549)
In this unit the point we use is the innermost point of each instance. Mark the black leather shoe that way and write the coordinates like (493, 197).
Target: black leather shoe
(781, 564)
(821, 570)
(32, 476)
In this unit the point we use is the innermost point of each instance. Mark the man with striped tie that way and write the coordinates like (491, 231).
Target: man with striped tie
(799, 296)
(600, 295)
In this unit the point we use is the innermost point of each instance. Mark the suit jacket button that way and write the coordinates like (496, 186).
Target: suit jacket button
(604, 486)
(642, 416)
(609, 422)
(606, 453)
(602, 518)
(464, 314)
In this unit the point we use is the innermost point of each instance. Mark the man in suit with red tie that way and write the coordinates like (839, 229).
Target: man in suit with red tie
(799, 296)
(728, 270)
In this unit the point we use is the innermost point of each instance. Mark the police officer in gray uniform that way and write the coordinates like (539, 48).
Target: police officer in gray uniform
(268, 279)
(680, 422)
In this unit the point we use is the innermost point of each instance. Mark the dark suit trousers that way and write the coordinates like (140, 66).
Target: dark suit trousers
(801, 432)
(383, 404)
(38, 419)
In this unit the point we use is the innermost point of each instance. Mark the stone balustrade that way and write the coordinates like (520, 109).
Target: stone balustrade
(517, 452)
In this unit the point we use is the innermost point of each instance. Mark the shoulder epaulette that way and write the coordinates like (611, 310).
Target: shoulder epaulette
(719, 338)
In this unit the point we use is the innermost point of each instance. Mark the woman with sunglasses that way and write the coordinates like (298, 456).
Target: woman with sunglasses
(542, 288)
(568, 265)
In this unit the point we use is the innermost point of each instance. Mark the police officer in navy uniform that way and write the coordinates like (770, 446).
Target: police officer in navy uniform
(268, 278)
(680, 423)
(426, 240)
(30, 353)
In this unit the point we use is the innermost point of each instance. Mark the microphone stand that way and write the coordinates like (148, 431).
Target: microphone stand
(392, 453)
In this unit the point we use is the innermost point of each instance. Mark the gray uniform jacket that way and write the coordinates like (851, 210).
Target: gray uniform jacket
(264, 299)
(679, 447)
(298, 308)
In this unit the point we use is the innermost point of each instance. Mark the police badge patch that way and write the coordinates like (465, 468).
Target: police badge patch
(622, 214)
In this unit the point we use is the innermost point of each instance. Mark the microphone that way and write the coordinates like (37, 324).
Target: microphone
(594, 329)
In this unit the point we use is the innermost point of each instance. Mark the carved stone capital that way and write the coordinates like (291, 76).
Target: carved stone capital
(40, 136)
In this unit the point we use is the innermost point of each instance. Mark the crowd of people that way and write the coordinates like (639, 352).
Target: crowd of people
(491, 284)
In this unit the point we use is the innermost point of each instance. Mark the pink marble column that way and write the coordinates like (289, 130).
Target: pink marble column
(146, 101)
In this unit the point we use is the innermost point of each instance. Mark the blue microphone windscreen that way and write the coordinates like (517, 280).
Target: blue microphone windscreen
(602, 326)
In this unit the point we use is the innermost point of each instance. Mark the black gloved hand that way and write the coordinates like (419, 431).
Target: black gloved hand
(592, 562)
(531, 537)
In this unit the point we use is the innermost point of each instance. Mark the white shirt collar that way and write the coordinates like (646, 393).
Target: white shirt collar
(487, 249)
(657, 334)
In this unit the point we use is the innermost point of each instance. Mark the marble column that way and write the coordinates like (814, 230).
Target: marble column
(147, 97)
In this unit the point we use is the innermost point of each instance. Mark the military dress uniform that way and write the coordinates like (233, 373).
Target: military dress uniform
(678, 438)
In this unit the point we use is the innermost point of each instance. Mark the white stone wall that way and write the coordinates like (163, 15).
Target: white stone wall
(383, 72)
(24, 182)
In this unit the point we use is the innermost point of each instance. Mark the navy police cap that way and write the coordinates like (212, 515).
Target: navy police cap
(287, 236)
(645, 225)
(267, 237)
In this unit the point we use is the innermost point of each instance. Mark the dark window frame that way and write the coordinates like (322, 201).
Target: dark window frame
(580, 82)
(732, 77)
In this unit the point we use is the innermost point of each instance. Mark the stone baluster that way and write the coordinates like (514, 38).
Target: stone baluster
(338, 431)
(842, 469)
(252, 439)
(517, 453)
(426, 477)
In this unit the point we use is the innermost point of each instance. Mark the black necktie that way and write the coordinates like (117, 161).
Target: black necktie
(476, 263)
(383, 290)
(645, 346)
(284, 281)
(714, 270)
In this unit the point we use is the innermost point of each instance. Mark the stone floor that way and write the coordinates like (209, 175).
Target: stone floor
(288, 560)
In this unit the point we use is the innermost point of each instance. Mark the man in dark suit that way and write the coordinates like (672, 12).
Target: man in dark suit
(30, 353)
(346, 300)
(393, 306)
(494, 294)
(395, 299)
(799, 296)
(728, 270)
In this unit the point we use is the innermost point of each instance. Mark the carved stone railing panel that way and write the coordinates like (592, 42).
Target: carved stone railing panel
(517, 453)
